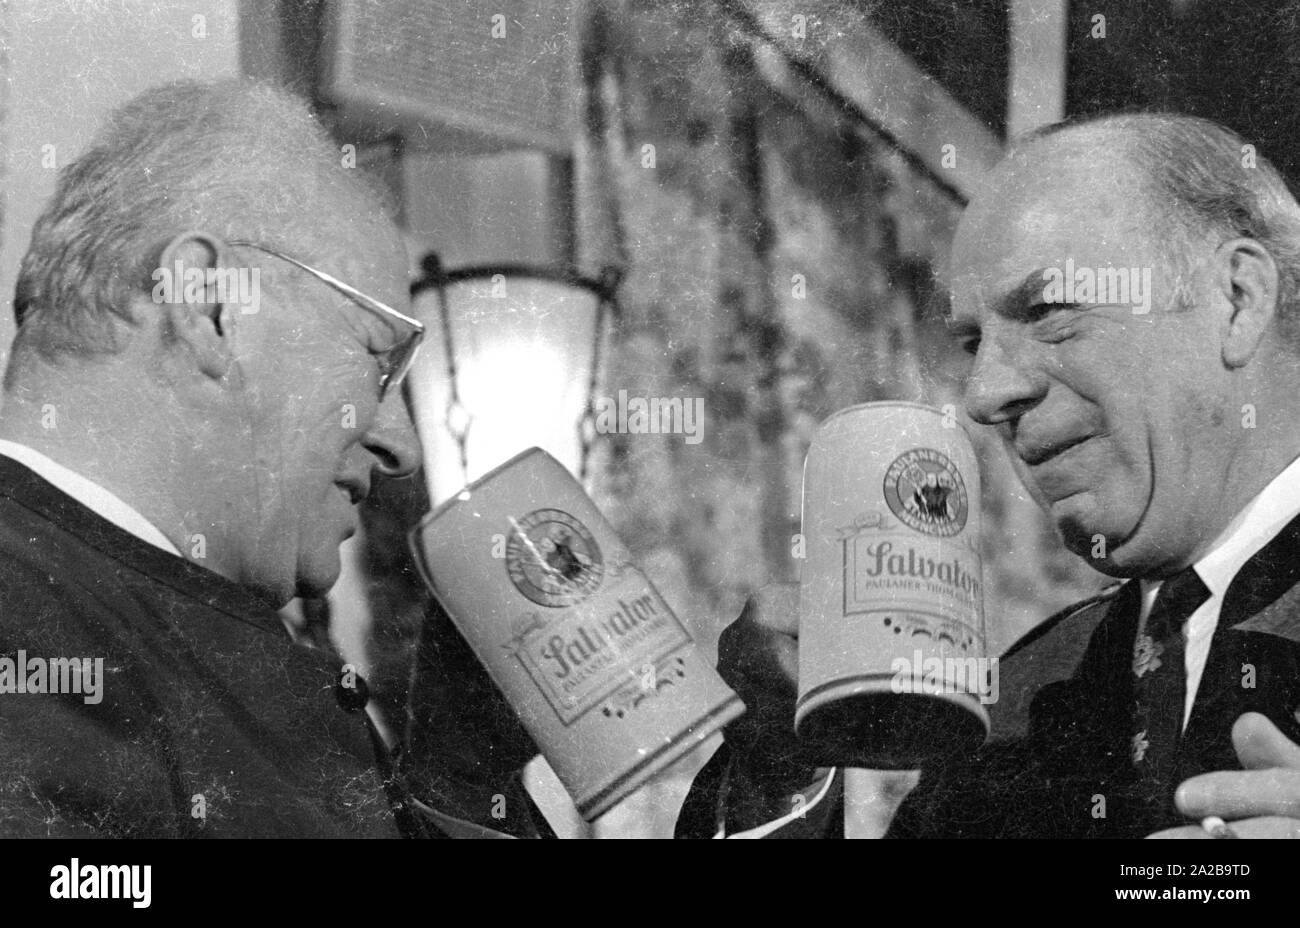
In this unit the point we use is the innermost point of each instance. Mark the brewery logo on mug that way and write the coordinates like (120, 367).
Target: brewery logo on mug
(925, 490)
(553, 559)
(580, 658)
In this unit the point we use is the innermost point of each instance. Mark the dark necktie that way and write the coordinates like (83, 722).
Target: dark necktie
(1160, 685)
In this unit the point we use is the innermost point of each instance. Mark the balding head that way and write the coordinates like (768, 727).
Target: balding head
(1195, 180)
(252, 419)
(234, 158)
(1128, 288)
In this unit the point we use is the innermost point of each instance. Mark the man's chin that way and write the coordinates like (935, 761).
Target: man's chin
(318, 571)
(316, 585)
(279, 578)
(1097, 541)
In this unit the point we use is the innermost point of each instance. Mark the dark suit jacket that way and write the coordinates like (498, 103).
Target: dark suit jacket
(1057, 760)
(212, 722)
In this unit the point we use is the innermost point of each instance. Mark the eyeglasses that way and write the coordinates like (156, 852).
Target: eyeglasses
(395, 362)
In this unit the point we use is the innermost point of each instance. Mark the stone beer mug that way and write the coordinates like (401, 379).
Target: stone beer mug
(892, 666)
(601, 673)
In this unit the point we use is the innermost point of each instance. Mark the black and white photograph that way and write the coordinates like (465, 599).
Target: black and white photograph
(650, 419)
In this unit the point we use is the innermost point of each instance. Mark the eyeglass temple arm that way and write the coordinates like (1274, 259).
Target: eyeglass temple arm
(335, 282)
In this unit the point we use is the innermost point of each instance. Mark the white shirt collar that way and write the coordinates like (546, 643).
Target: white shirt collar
(1256, 525)
(90, 494)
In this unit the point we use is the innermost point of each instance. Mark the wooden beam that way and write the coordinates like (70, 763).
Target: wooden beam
(864, 67)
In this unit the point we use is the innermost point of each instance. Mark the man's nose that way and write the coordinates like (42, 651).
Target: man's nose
(1000, 387)
(392, 439)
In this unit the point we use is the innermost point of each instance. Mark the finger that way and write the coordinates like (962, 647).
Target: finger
(1271, 826)
(785, 652)
(1187, 832)
(1260, 744)
(1240, 794)
(751, 640)
(755, 660)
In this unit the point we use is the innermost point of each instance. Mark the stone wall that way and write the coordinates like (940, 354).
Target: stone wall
(781, 267)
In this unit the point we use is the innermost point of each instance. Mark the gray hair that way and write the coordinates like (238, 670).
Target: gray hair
(1205, 180)
(233, 158)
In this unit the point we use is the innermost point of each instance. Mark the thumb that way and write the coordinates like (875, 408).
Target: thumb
(1261, 745)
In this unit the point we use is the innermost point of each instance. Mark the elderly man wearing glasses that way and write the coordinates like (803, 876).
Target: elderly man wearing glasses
(173, 471)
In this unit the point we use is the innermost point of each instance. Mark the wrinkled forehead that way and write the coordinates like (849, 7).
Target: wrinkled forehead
(1087, 205)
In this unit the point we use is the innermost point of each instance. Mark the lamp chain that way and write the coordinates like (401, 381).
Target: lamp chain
(457, 418)
(587, 421)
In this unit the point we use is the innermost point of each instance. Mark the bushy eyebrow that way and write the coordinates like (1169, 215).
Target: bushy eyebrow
(1017, 304)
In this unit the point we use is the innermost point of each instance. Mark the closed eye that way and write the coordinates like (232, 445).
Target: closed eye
(1034, 312)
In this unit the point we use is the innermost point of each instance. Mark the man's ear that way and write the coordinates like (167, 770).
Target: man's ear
(197, 313)
(1248, 278)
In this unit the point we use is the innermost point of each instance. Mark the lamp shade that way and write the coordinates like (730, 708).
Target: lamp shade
(507, 365)
(509, 362)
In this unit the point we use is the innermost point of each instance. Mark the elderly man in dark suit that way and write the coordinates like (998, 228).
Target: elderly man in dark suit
(1158, 423)
(203, 386)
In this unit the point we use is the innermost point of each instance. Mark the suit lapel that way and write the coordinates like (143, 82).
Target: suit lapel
(1265, 594)
(1079, 726)
(1078, 736)
(1254, 659)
